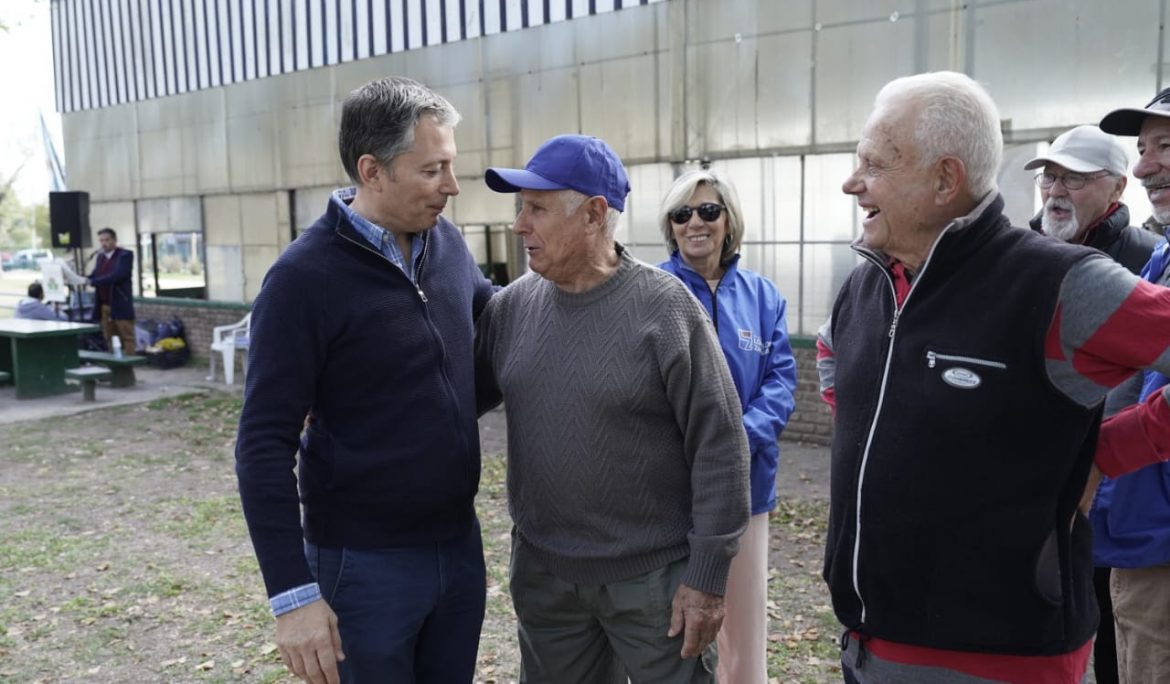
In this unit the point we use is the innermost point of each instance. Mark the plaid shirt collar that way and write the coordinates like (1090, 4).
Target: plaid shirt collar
(380, 238)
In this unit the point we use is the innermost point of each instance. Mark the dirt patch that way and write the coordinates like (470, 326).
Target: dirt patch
(124, 556)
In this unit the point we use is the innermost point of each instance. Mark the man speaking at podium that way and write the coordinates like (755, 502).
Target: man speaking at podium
(114, 308)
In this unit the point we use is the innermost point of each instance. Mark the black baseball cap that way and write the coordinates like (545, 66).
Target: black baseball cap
(1129, 121)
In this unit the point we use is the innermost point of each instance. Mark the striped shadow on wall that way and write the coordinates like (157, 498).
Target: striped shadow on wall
(109, 52)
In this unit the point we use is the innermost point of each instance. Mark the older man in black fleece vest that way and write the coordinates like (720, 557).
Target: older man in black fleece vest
(969, 361)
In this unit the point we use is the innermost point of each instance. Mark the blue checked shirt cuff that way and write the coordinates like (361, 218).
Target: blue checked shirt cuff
(294, 598)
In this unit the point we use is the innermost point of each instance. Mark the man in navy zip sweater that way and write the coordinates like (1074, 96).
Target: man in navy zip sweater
(366, 322)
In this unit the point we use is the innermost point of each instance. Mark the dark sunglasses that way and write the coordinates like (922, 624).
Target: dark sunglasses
(708, 211)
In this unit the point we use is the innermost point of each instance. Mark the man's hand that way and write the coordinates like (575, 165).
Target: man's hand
(309, 643)
(1090, 489)
(700, 613)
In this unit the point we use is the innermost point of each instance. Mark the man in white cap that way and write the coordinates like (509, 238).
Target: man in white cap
(1131, 514)
(1081, 183)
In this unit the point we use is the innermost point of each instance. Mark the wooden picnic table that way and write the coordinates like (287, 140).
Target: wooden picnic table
(37, 353)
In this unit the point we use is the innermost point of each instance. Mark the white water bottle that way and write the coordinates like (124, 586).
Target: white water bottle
(116, 343)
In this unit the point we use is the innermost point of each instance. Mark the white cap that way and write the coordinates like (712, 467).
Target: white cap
(1084, 149)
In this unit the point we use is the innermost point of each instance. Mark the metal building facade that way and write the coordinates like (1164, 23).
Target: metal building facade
(239, 145)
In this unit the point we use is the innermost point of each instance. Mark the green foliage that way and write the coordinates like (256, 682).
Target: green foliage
(19, 221)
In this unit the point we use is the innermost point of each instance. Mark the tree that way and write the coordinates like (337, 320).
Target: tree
(19, 222)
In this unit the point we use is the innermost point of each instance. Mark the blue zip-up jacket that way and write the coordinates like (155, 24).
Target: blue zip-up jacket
(1131, 515)
(748, 313)
(392, 455)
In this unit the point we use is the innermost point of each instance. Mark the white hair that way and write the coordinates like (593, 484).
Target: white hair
(571, 200)
(955, 118)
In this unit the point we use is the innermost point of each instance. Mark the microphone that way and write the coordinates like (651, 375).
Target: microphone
(93, 254)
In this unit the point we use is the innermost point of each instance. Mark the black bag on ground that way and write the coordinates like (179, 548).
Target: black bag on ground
(164, 352)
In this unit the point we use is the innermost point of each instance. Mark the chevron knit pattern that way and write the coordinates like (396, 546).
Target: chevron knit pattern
(626, 449)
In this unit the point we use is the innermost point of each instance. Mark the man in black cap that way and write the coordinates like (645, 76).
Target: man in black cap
(1081, 183)
(1131, 515)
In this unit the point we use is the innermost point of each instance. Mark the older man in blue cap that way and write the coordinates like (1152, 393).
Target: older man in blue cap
(627, 460)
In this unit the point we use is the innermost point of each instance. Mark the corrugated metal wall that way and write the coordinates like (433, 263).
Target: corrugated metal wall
(771, 92)
(111, 52)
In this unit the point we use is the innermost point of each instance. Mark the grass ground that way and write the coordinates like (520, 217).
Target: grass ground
(124, 557)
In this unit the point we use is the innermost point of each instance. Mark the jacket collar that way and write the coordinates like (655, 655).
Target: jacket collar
(682, 266)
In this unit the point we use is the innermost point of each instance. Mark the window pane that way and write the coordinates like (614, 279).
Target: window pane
(649, 184)
(1036, 87)
(146, 264)
(781, 265)
(750, 178)
(180, 265)
(308, 205)
(829, 214)
(825, 269)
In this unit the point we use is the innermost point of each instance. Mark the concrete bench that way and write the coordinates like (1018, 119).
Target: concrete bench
(122, 368)
(88, 377)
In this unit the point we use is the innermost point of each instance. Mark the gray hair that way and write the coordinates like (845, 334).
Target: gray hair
(571, 200)
(379, 119)
(685, 186)
(956, 117)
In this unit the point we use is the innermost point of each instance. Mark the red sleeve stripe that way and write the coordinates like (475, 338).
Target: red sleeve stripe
(1136, 437)
(1136, 335)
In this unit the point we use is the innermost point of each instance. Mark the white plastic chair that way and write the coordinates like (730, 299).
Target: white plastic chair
(225, 340)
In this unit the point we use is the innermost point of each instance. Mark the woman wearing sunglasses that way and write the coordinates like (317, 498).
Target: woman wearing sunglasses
(703, 228)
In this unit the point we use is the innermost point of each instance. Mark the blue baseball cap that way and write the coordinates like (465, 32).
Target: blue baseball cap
(569, 162)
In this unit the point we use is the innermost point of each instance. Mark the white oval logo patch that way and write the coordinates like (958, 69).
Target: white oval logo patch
(962, 378)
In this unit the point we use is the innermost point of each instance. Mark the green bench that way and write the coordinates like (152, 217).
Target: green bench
(88, 377)
(122, 368)
(5, 378)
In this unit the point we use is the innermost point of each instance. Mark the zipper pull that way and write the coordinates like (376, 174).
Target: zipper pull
(930, 359)
(423, 295)
(894, 323)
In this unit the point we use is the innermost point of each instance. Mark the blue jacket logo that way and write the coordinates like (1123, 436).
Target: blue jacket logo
(749, 341)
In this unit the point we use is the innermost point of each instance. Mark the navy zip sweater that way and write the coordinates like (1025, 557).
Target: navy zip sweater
(392, 456)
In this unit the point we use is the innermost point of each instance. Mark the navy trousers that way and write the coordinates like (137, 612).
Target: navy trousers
(408, 615)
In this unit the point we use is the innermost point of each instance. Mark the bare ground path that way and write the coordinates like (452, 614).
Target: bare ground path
(124, 558)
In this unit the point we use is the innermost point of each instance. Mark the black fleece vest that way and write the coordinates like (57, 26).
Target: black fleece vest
(968, 462)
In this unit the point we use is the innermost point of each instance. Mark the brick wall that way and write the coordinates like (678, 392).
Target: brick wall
(811, 422)
(198, 316)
